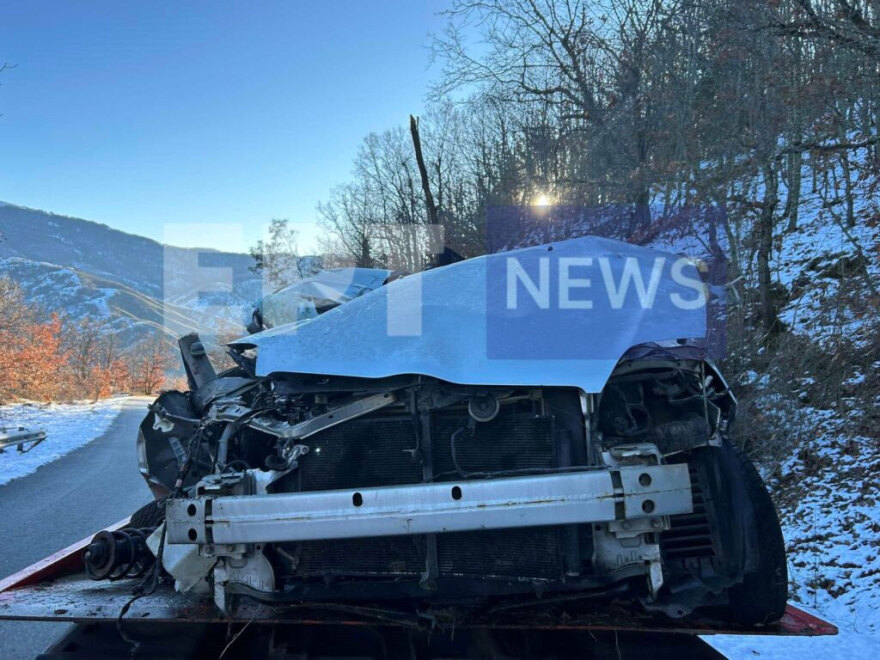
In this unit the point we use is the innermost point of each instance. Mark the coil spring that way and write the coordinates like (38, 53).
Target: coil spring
(117, 554)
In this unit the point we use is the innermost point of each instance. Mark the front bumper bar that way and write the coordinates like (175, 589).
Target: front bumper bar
(594, 496)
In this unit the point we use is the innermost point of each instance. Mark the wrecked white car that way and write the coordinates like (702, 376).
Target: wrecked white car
(495, 434)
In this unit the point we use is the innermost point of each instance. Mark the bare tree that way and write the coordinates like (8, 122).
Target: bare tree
(852, 24)
(149, 361)
(278, 259)
(592, 66)
(15, 312)
(349, 221)
(423, 171)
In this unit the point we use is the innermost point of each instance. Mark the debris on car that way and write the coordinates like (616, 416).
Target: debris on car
(308, 297)
(351, 458)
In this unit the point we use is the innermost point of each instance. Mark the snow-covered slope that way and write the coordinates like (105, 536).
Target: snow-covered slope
(817, 387)
(85, 270)
(826, 478)
(828, 495)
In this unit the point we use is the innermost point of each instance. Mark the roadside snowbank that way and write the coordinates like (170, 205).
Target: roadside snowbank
(68, 426)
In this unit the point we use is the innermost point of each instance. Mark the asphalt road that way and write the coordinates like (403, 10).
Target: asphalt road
(63, 502)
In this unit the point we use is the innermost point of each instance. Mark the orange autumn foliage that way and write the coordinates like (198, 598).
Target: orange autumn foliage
(33, 361)
(56, 359)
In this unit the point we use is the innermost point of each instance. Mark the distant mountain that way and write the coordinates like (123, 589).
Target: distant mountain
(84, 269)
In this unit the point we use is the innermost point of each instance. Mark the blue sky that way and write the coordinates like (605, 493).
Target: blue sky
(166, 119)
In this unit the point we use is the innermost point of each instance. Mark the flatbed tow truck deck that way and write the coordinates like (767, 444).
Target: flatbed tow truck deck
(172, 625)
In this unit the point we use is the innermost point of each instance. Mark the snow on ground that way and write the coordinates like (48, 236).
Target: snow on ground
(828, 491)
(829, 501)
(68, 426)
(848, 645)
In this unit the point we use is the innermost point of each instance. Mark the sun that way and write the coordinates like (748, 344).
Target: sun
(542, 200)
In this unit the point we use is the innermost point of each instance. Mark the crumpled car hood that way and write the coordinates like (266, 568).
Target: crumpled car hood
(551, 315)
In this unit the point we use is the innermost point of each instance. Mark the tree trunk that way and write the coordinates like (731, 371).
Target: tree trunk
(365, 258)
(793, 180)
(423, 171)
(765, 246)
(848, 191)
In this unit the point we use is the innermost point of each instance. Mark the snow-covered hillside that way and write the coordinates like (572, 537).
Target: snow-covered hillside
(809, 399)
(828, 495)
(84, 270)
(819, 390)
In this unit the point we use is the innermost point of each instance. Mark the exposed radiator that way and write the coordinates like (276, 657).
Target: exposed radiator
(378, 451)
(689, 540)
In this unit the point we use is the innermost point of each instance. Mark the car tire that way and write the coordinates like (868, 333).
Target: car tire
(762, 595)
(149, 516)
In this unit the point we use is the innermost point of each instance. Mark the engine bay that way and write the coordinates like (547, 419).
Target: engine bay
(411, 490)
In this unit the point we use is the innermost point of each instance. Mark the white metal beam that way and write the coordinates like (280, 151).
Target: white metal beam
(600, 495)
